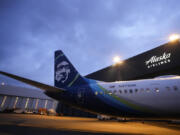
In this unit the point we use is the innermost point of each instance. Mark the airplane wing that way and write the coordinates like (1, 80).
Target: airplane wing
(34, 83)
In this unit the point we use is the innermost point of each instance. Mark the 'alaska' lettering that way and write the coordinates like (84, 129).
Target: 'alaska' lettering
(154, 59)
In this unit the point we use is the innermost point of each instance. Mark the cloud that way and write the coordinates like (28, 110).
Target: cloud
(89, 32)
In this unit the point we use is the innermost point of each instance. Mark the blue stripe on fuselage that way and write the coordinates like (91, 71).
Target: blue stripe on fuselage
(108, 99)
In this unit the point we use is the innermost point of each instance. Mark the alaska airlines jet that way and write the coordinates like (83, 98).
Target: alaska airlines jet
(149, 98)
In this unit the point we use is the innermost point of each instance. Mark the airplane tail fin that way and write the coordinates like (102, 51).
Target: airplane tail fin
(65, 74)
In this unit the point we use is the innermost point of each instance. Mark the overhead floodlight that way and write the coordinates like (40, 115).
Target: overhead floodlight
(174, 37)
(117, 60)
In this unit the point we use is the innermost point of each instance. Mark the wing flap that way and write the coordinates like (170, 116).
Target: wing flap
(33, 83)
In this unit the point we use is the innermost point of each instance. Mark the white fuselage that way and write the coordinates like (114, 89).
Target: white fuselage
(160, 94)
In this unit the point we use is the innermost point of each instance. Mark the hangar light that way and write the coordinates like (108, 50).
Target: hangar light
(174, 37)
(117, 60)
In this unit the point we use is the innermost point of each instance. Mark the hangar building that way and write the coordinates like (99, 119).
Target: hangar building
(13, 97)
(30, 100)
(163, 60)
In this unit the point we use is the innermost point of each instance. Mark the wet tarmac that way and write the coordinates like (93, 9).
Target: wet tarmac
(27, 124)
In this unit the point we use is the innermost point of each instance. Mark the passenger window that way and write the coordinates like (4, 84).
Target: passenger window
(120, 91)
(125, 91)
(168, 88)
(136, 90)
(110, 92)
(175, 88)
(114, 92)
(96, 93)
(156, 89)
(111, 86)
(148, 90)
(142, 89)
(130, 91)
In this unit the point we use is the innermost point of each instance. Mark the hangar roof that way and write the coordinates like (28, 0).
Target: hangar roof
(22, 91)
(162, 60)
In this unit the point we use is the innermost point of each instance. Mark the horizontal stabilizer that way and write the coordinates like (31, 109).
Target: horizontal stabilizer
(34, 83)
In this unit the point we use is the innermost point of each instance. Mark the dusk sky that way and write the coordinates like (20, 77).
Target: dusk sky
(89, 32)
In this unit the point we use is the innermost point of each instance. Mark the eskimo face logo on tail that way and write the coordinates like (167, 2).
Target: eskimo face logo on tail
(62, 72)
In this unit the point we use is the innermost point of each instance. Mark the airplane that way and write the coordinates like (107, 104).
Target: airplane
(147, 98)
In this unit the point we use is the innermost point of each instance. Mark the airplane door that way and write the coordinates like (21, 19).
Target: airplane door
(81, 96)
